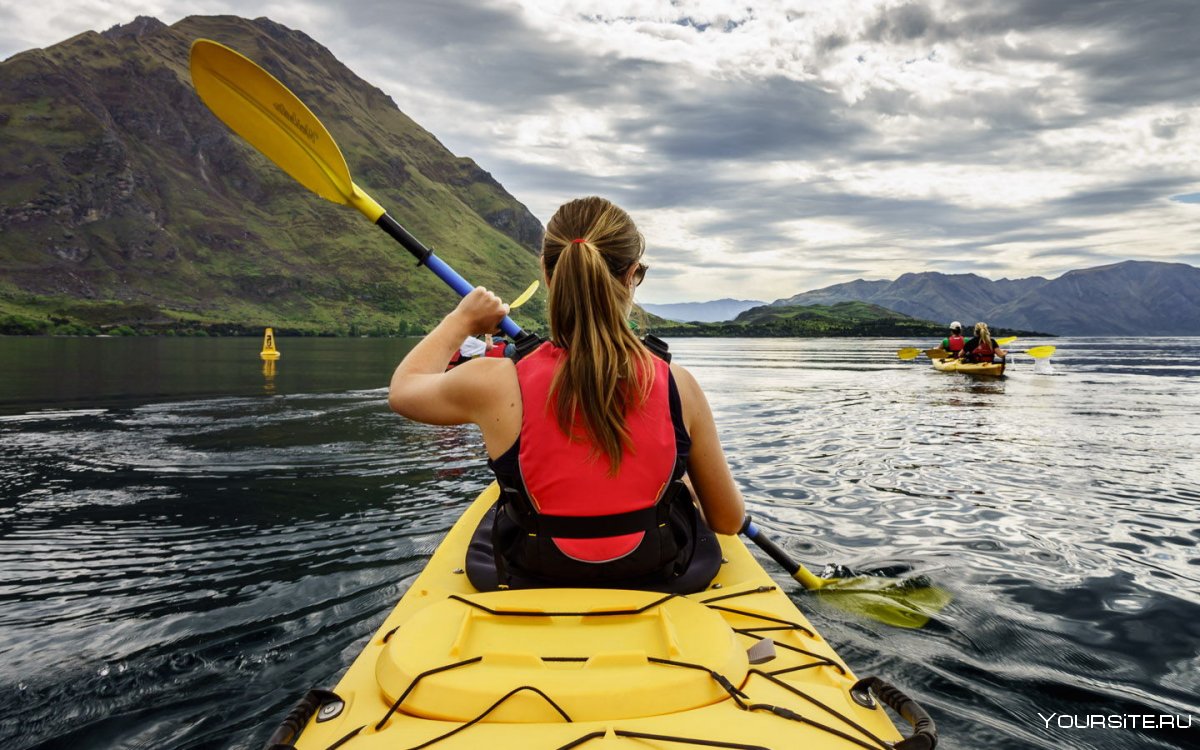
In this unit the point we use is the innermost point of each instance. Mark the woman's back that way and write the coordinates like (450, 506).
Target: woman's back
(564, 474)
(602, 425)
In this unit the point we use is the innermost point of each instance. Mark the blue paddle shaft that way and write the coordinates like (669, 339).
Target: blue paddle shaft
(773, 550)
(439, 267)
(460, 285)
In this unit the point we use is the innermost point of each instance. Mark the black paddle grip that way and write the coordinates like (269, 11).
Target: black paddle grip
(776, 553)
(404, 237)
(924, 736)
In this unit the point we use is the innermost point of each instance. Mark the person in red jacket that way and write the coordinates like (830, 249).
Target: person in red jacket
(954, 342)
(497, 347)
(981, 347)
(597, 443)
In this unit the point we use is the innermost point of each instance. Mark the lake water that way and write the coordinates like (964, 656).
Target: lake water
(189, 541)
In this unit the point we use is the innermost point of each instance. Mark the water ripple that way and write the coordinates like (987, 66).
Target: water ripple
(175, 574)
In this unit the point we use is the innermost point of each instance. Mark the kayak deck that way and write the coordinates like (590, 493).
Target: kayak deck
(986, 369)
(451, 667)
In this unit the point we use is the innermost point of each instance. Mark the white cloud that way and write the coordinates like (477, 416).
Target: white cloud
(771, 147)
(988, 186)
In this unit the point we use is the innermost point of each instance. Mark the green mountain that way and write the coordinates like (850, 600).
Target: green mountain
(840, 319)
(123, 200)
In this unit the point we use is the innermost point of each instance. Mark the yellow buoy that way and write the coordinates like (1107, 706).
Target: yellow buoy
(269, 351)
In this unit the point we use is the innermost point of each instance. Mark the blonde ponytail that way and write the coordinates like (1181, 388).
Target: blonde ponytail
(983, 335)
(589, 248)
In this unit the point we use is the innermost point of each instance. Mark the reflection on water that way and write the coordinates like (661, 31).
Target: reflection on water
(268, 369)
(189, 539)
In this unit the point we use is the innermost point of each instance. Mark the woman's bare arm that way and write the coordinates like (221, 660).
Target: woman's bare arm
(711, 478)
(421, 388)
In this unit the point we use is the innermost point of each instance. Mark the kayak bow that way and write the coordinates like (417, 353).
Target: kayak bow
(735, 666)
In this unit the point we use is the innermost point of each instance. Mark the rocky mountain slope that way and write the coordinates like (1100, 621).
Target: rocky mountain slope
(124, 200)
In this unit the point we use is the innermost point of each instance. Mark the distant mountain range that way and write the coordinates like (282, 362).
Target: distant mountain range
(839, 319)
(123, 200)
(1133, 298)
(705, 312)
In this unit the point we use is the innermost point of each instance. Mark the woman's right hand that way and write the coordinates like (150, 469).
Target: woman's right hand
(481, 311)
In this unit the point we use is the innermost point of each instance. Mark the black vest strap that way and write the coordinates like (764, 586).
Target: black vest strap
(591, 527)
(657, 347)
(658, 522)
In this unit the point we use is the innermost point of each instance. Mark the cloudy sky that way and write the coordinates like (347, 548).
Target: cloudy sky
(768, 148)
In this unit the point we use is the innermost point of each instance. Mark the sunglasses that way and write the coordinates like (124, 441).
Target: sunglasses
(640, 274)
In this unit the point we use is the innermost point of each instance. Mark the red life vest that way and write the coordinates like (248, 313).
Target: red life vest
(497, 350)
(982, 352)
(956, 343)
(565, 477)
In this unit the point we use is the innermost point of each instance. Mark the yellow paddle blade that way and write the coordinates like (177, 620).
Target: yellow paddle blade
(525, 295)
(909, 353)
(1041, 352)
(893, 602)
(1006, 340)
(903, 603)
(936, 353)
(262, 110)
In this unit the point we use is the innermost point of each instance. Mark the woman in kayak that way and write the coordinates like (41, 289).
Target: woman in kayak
(981, 347)
(591, 434)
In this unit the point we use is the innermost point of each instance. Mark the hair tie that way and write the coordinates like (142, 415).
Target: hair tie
(577, 241)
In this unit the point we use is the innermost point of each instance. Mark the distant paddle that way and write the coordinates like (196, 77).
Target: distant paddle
(913, 353)
(939, 353)
(1037, 352)
(1041, 352)
(525, 295)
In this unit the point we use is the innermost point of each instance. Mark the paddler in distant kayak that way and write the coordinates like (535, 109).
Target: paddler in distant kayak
(955, 342)
(981, 347)
(597, 442)
(498, 347)
(470, 348)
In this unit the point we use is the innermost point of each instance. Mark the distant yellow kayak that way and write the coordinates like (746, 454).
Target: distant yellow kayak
(735, 666)
(985, 369)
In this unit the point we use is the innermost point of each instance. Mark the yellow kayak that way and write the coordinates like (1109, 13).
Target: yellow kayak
(987, 369)
(735, 666)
